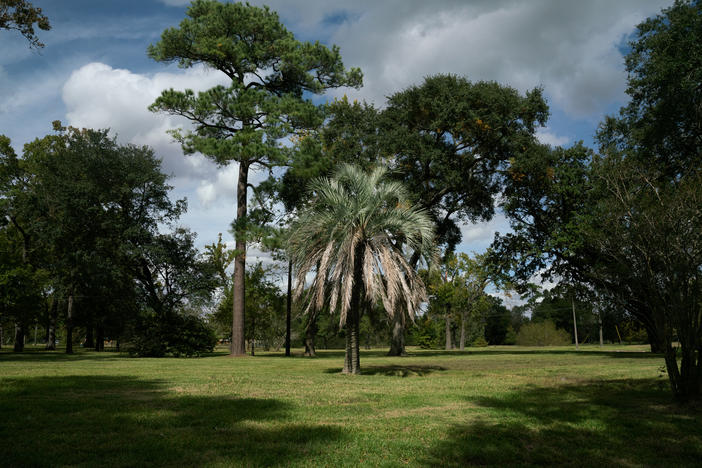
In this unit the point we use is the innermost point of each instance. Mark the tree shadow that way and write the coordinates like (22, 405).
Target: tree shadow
(603, 423)
(538, 351)
(393, 370)
(124, 421)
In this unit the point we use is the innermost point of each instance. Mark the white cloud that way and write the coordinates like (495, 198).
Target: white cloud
(567, 46)
(544, 135)
(99, 96)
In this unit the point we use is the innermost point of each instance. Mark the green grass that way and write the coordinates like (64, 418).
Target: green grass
(489, 406)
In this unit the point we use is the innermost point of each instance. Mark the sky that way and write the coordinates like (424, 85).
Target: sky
(94, 72)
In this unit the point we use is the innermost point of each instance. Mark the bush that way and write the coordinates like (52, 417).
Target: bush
(180, 336)
(542, 334)
(480, 342)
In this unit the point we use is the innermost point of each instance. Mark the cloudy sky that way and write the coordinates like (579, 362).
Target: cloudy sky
(94, 71)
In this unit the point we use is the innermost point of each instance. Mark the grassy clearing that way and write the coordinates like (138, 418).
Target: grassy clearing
(489, 406)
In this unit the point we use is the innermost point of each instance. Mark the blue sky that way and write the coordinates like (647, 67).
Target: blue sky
(94, 71)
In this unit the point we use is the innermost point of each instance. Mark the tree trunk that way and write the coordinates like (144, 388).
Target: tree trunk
(599, 317)
(69, 325)
(53, 317)
(355, 343)
(19, 337)
(99, 338)
(352, 316)
(348, 350)
(253, 330)
(288, 310)
(1, 336)
(397, 343)
(239, 290)
(448, 330)
(89, 339)
(575, 325)
(463, 330)
(310, 334)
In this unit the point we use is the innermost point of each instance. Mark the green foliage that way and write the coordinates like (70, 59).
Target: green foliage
(179, 335)
(542, 334)
(426, 333)
(463, 134)
(22, 16)
(479, 342)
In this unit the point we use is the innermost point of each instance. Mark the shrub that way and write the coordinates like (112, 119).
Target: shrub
(186, 335)
(480, 342)
(542, 334)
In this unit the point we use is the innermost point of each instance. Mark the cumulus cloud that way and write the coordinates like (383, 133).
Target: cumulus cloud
(99, 96)
(544, 135)
(568, 47)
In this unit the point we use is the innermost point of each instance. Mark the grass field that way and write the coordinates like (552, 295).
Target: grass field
(489, 406)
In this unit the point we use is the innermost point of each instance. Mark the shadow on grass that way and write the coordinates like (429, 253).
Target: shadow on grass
(393, 370)
(607, 423)
(123, 421)
(536, 351)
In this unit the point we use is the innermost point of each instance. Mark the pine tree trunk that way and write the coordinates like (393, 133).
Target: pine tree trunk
(288, 310)
(239, 290)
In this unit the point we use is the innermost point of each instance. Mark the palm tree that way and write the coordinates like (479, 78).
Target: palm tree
(353, 235)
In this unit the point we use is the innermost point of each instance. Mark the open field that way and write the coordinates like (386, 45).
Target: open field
(489, 406)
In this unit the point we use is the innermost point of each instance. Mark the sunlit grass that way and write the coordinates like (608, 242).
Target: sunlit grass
(487, 406)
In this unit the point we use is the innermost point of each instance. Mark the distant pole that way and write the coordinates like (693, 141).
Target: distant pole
(287, 314)
(575, 323)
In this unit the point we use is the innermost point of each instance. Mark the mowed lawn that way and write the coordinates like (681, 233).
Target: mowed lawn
(488, 406)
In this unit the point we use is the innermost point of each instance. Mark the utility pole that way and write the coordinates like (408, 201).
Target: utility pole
(575, 323)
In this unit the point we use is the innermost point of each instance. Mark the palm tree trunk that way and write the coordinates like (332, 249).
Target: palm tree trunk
(397, 343)
(348, 348)
(355, 343)
(239, 299)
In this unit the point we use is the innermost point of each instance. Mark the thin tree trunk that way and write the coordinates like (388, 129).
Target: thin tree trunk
(253, 330)
(99, 338)
(288, 310)
(89, 338)
(310, 335)
(463, 330)
(19, 338)
(448, 332)
(36, 326)
(69, 325)
(239, 290)
(53, 317)
(599, 317)
(575, 324)
(1, 335)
